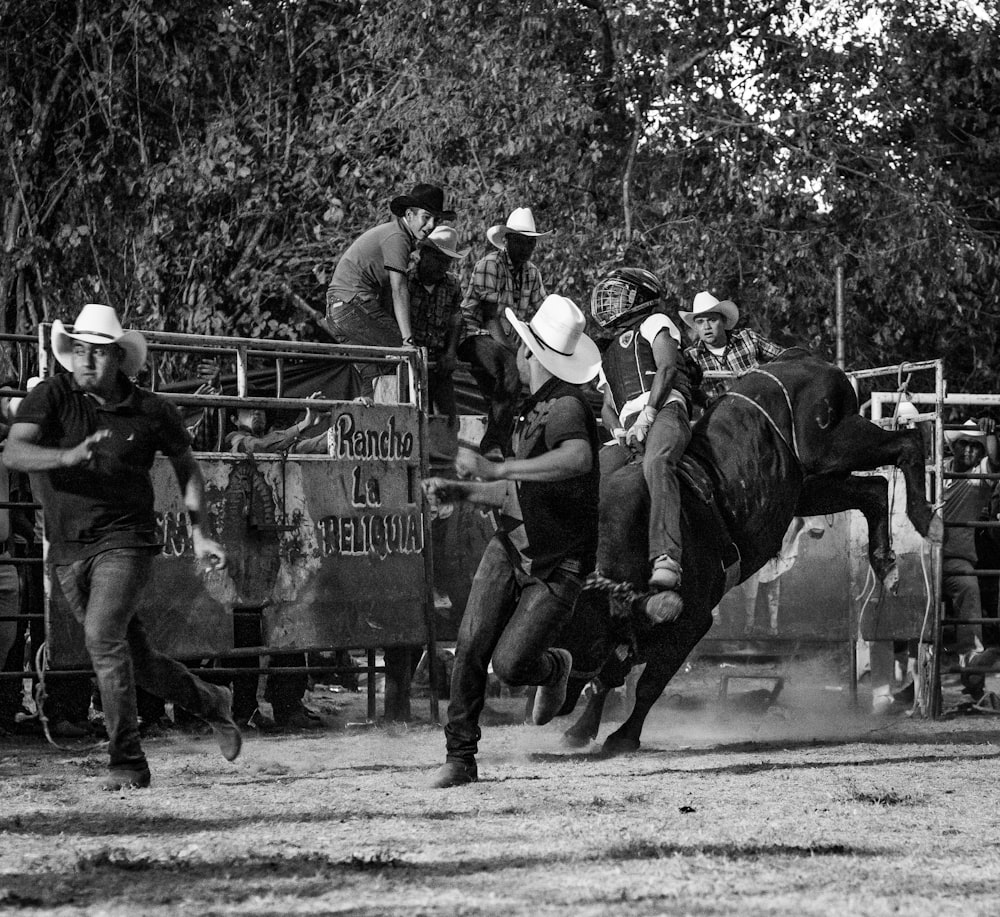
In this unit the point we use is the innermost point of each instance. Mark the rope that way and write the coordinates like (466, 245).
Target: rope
(788, 402)
(41, 664)
(771, 421)
(620, 592)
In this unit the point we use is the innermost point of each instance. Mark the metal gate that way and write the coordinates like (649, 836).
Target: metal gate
(330, 551)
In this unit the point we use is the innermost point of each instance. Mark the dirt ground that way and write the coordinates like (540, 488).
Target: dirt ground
(808, 808)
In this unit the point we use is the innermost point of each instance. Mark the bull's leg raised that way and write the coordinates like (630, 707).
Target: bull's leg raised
(860, 445)
(668, 645)
(870, 495)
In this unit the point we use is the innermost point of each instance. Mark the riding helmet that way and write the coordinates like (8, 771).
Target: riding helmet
(623, 291)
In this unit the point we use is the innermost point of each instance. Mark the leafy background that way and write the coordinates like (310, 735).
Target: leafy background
(202, 164)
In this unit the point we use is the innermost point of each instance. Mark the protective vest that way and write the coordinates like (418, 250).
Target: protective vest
(629, 368)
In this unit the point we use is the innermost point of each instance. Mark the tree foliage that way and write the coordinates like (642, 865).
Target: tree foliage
(202, 164)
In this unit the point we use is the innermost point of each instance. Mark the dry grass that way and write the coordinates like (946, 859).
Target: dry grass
(820, 811)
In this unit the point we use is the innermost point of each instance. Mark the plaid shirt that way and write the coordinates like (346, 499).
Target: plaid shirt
(433, 311)
(494, 288)
(744, 350)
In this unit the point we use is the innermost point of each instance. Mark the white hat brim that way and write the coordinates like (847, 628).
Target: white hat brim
(727, 309)
(973, 434)
(497, 235)
(579, 367)
(451, 253)
(131, 342)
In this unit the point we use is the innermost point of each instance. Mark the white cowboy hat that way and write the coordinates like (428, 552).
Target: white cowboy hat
(555, 336)
(521, 221)
(970, 430)
(97, 324)
(704, 303)
(445, 240)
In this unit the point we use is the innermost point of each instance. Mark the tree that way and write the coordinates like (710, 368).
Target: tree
(203, 164)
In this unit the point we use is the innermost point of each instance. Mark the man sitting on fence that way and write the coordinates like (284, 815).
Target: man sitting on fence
(368, 299)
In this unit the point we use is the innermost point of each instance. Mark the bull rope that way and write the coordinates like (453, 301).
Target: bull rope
(621, 594)
(793, 447)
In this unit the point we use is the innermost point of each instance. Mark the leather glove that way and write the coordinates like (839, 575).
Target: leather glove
(637, 433)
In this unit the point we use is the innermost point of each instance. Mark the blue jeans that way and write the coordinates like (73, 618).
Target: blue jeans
(666, 441)
(102, 591)
(364, 321)
(960, 586)
(512, 618)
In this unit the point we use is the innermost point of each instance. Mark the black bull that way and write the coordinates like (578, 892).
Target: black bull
(782, 443)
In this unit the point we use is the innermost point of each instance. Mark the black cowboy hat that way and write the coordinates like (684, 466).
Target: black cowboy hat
(426, 197)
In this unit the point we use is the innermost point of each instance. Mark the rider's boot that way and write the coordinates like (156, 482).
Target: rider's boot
(666, 574)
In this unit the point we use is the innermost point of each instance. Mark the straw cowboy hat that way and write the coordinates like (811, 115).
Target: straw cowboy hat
(970, 431)
(445, 240)
(705, 302)
(423, 197)
(521, 221)
(555, 336)
(97, 324)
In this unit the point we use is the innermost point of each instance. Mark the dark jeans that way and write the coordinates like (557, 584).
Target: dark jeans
(512, 618)
(102, 591)
(441, 394)
(495, 370)
(364, 321)
(961, 587)
(67, 698)
(10, 605)
(666, 441)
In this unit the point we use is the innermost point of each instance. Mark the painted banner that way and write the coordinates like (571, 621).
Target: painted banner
(330, 549)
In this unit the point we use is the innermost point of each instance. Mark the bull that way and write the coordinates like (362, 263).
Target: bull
(783, 442)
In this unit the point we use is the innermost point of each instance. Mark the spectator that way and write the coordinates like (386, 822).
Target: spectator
(368, 299)
(67, 701)
(718, 350)
(504, 281)
(250, 436)
(436, 314)
(974, 450)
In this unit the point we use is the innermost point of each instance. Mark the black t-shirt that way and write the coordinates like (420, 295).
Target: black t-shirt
(548, 524)
(108, 503)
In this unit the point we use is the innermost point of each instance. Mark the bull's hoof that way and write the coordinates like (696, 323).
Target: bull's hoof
(664, 607)
(618, 744)
(573, 739)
